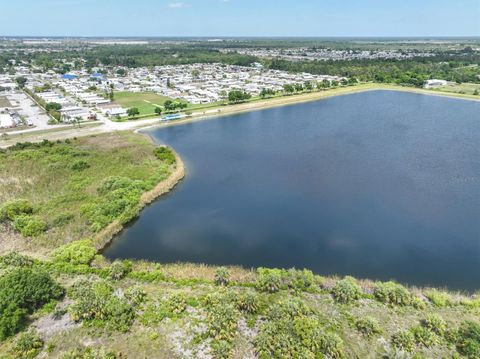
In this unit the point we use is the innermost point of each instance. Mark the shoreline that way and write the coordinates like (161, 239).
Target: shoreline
(264, 104)
(107, 235)
(220, 111)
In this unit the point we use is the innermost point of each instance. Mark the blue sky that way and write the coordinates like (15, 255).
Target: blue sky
(240, 17)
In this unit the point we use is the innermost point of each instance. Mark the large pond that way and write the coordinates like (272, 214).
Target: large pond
(381, 185)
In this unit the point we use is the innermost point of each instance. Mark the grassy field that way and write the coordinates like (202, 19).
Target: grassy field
(4, 102)
(144, 101)
(465, 88)
(62, 180)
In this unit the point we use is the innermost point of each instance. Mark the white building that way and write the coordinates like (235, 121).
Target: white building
(6, 121)
(434, 83)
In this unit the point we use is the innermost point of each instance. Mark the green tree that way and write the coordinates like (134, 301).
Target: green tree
(133, 111)
(236, 96)
(21, 81)
(266, 93)
(158, 110)
(288, 88)
(53, 106)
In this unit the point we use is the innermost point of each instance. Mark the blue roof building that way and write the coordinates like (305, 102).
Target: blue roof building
(69, 77)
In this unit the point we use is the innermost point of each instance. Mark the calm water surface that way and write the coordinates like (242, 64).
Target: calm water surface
(383, 184)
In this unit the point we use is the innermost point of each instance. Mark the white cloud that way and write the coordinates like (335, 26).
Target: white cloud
(178, 5)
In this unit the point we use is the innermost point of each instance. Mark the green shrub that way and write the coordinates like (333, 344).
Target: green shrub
(368, 326)
(27, 345)
(176, 304)
(221, 320)
(435, 324)
(97, 304)
(468, 339)
(77, 252)
(424, 336)
(269, 280)
(438, 299)
(119, 269)
(392, 293)
(332, 345)
(15, 259)
(118, 314)
(346, 290)
(90, 353)
(165, 154)
(12, 209)
(22, 291)
(404, 340)
(221, 349)
(135, 296)
(248, 303)
(80, 165)
(273, 280)
(119, 200)
(417, 302)
(293, 331)
(28, 289)
(222, 276)
(301, 280)
(29, 226)
(113, 183)
(12, 320)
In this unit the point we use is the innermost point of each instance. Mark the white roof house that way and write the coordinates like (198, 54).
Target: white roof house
(6, 121)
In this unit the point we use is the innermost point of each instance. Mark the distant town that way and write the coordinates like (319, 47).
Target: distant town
(45, 82)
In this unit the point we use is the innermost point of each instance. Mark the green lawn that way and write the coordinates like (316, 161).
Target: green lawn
(144, 101)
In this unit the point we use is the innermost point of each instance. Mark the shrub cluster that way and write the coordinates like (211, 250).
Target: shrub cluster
(22, 291)
(27, 345)
(429, 332)
(20, 213)
(438, 299)
(90, 353)
(119, 269)
(368, 326)
(77, 252)
(404, 340)
(222, 276)
(249, 302)
(221, 320)
(119, 200)
(294, 331)
(14, 259)
(176, 304)
(346, 290)
(273, 280)
(98, 304)
(468, 339)
(80, 165)
(222, 328)
(165, 154)
(392, 293)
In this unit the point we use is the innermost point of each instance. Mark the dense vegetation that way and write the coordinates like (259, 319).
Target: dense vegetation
(134, 309)
(56, 192)
(414, 72)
